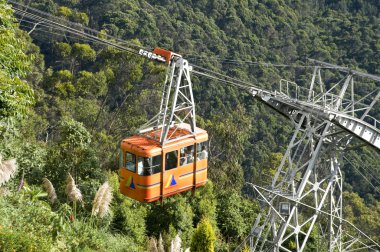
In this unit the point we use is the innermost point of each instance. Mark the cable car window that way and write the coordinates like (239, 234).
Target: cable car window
(149, 165)
(130, 161)
(202, 152)
(171, 160)
(121, 158)
(187, 155)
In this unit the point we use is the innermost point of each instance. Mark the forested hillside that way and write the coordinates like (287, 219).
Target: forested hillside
(66, 103)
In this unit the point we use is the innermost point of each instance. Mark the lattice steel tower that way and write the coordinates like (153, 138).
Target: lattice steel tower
(307, 186)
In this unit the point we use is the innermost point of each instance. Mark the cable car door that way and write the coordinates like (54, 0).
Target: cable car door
(171, 175)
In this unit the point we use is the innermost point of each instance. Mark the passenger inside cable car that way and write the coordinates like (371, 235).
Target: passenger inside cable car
(150, 172)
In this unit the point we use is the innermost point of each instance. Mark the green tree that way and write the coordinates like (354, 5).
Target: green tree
(228, 139)
(204, 203)
(129, 215)
(174, 216)
(81, 53)
(92, 85)
(16, 96)
(72, 153)
(64, 11)
(13, 57)
(365, 217)
(63, 49)
(203, 238)
(235, 215)
(61, 83)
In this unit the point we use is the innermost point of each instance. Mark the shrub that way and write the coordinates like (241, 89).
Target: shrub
(203, 238)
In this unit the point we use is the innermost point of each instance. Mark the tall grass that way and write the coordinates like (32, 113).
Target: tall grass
(7, 169)
(72, 191)
(49, 188)
(102, 201)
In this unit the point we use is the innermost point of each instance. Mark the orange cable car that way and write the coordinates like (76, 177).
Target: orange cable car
(150, 172)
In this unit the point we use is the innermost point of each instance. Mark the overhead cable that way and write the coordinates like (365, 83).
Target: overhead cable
(220, 79)
(365, 177)
(247, 62)
(72, 30)
(223, 76)
(47, 15)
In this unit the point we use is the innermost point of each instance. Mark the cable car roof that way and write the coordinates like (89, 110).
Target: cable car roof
(147, 144)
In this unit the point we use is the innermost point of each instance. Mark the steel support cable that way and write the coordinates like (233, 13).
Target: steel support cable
(78, 36)
(48, 23)
(81, 38)
(141, 47)
(84, 35)
(42, 23)
(89, 37)
(51, 24)
(63, 35)
(41, 18)
(240, 62)
(105, 42)
(234, 80)
(365, 177)
(368, 170)
(73, 24)
(346, 70)
(59, 26)
(100, 41)
(247, 88)
(72, 30)
(232, 60)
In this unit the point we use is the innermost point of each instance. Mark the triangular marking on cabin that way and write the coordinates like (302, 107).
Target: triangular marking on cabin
(168, 182)
(173, 183)
(128, 182)
(132, 185)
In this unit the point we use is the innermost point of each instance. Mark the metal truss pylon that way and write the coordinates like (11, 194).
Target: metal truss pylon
(307, 186)
(308, 182)
(177, 104)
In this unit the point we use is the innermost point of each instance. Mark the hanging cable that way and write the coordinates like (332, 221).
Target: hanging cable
(61, 27)
(222, 80)
(367, 169)
(247, 62)
(365, 177)
(88, 37)
(79, 38)
(121, 42)
(47, 15)
(223, 76)
(55, 25)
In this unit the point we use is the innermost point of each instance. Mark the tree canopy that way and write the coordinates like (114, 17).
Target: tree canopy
(66, 102)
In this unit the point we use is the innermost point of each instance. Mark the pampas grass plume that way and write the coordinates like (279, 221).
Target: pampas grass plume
(72, 191)
(49, 188)
(102, 201)
(176, 244)
(152, 245)
(7, 169)
(161, 244)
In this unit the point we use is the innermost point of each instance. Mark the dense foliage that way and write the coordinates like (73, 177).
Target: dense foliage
(204, 237)
(65, 104)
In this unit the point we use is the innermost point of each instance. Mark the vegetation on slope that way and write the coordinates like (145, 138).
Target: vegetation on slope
(75, 101)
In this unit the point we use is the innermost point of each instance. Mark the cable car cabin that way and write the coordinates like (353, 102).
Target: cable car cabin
(149, 172)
